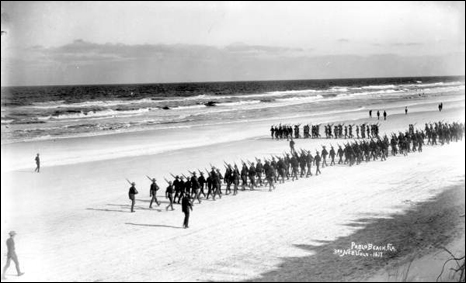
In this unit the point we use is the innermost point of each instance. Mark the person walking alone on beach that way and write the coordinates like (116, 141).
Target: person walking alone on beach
(11, 256)
(370, 113)
(169, 195)
(378, 114)
(406, 110)
(384, 115)
(153, 193)
(132, 195)
(186, 208)
(37, 164)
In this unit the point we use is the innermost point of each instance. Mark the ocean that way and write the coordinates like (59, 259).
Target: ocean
(52, 112)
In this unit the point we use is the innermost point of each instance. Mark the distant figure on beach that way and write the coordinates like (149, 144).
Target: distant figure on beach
(370, 113)
(292, 146)
(186, 208)
(153, 193)
(132, 195)
(11, 256)
(169, 195)
(440, 106)
(384, 115)
(37, 164)
(378, 114)
(406, 110)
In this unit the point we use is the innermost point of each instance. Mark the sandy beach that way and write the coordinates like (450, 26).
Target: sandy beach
(74, 225)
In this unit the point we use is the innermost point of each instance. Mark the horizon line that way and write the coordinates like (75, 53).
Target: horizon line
(228, 81)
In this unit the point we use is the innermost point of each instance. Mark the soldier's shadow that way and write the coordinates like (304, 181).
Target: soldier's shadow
(154, 225)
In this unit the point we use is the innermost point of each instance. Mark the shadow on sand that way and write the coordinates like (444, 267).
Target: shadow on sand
(426, 225)
(154, 226)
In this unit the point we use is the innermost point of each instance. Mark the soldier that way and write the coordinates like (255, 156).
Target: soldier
(227, 179)
(370, 113)
(272, 130)
(11, 256)
(281, 169)
(324, 156)
(244, 176)
(186, 208)
(332, 155)
(202, 181)
(195, 187)
(169, 195)
(177, 185)
(317, 160)
(270, 175)
(309, 160)
(384, 115)
(210, 183)
(235, 177)
(340, 154)
(218, 181)
(294, 167)
(153, 193)
(302, 163)
(259, 170)
(406, 110)
(252, 176)
(378, 114)
(132, 195)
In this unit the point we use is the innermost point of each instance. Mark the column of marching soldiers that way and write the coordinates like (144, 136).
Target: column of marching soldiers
(298, 164)
(338, 131)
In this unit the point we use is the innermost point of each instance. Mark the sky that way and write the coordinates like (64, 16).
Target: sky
(56, 43)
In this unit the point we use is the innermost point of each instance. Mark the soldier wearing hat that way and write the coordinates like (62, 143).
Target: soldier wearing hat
(317, 159)
(132, 195)
(169, 195)
(324, 156)
(11, 256)
(332, 156)
(153, 193)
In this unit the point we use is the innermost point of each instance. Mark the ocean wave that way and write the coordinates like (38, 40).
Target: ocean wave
(293, 91)
(77, 114)
(378, 87)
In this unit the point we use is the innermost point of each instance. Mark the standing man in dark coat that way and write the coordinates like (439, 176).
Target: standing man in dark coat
(37, 164)
(153, 193)
(132, 195)
(324, 156)
(186, 208)
(378, 114)
(11, 256)
(385, 115)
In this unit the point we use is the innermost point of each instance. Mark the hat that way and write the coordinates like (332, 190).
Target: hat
(133, 183)
(177, 177)
(12, 233)
(153, 180)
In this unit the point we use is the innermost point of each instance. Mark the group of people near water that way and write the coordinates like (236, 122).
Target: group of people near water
(337, 131)
(251, 175)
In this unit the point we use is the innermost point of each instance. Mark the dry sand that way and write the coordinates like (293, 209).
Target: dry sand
(73, 221)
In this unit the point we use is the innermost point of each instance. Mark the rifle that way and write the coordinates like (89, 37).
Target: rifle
(129, 181)
(166, 180)
(149, 178)
(184, 176)
(174, 177)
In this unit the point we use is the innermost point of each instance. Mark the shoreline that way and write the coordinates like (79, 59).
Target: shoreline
(84, 208)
